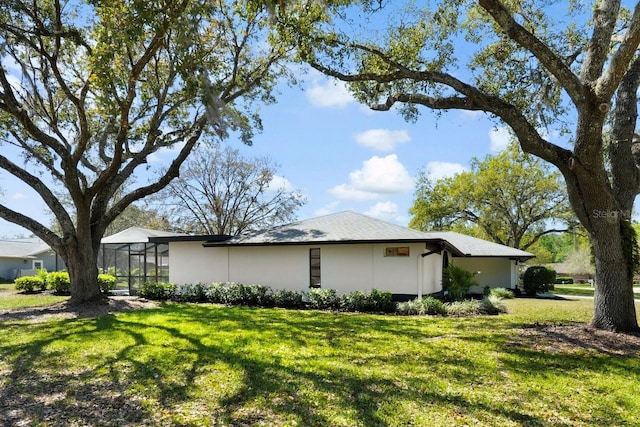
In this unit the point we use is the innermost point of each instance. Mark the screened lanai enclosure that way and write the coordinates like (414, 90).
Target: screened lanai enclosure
(133, 260)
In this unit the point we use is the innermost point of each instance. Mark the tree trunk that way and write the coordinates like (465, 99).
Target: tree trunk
(597, 209)
(81, 260)
(613, 305)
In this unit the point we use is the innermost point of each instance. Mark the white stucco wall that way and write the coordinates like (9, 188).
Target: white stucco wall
(494, 272)
(343, 267)
(432, 274)
(280, 267)
(190, 262)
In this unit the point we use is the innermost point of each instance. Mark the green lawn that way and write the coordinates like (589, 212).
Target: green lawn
(199, 365)
(10, 299)
(578, 289)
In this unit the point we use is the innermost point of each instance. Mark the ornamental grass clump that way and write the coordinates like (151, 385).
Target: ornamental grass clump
(502, 293)
(493, 304)
(421, 306)
(464, 308)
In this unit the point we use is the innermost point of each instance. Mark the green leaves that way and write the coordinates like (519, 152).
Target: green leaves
(511, 198)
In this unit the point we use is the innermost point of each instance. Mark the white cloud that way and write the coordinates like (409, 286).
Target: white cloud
(382, 139)
(387, 211)
(18, 196)
(379, 177)
(280, 183)
(329, 93)
(500, 139)
(438, 170)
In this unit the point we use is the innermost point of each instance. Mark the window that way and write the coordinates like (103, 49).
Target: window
(314, 267)
(38, 265)
(397, 251)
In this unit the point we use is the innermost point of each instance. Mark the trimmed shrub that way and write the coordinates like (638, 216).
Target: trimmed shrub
(191, 293)
(502, 293)
(372, 301)
(252, 295)
(564, 280)
(323, 299)
(157, 291)
(464, 308)
(107, 282)
(538, 279)
(457, 282)
(288, 299)
(30, 283)
(493, 305)
(59, 282)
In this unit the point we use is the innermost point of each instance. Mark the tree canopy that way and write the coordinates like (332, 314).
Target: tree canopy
(563, 76)
(511, 198)
(220, 191)
(89, 90)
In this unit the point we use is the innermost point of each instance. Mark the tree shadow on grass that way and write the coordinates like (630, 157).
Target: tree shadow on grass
(169, 366)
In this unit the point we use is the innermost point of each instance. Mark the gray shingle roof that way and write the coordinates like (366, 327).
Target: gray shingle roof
(473, 246)
(18, 248)
(352, 227)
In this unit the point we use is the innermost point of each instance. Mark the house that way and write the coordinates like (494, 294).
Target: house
(22, 257)
(345, 251)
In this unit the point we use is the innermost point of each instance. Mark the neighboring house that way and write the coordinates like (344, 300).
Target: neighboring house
(345, 251)
(22, 257)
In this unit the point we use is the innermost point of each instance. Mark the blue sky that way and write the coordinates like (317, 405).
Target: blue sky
(338, 153)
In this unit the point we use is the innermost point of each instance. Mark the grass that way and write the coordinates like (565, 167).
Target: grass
(578, 289)
(9, 299)
(205, 365)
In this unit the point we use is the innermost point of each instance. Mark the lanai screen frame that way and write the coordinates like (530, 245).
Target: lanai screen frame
(151, 266)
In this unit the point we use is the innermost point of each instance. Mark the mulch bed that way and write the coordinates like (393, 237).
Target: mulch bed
(571, 338)
(64, 310)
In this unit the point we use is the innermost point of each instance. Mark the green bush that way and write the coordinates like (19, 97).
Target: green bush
(107, 282)
(30, 283)
(538, 279)
(457, 282)
(421, 306)
(157, 291)
(252, 295)
(564, 280)
(288, 299)
(59, 282)
(323, 299)
(501, 293)
(191, 293)
(373, 301)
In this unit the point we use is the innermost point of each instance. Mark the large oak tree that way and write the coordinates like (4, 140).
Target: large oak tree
(89, 90)
(532, 65)
(511, 197)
